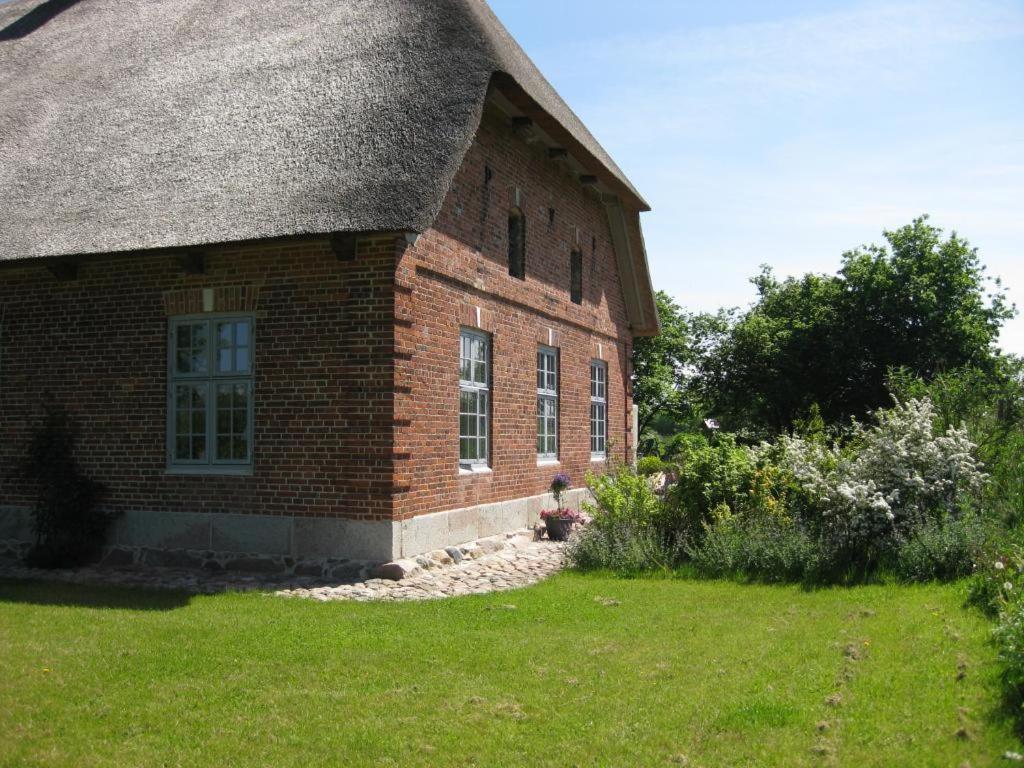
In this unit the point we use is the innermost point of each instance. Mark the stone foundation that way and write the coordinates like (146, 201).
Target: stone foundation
(332, 548)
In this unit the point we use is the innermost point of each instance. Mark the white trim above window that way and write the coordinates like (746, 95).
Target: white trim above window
(547, 404)
(598, 410)
(210, 406)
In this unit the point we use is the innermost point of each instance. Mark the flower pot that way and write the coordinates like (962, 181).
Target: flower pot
(558, 528)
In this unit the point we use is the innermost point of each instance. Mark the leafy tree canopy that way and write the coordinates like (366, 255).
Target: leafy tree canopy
(826, 343)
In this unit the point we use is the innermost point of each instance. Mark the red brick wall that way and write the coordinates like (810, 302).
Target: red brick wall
(356, 364)
(323, 368)
(461, 265)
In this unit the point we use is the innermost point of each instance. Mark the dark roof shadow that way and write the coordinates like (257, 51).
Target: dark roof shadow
(35, 18)
(90, 596)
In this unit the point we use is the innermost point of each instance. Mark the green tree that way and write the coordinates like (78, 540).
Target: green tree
(921, 303)
(660, 362)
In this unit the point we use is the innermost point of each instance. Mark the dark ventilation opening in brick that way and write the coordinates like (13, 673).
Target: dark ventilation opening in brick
(576, 277)
(517, 244)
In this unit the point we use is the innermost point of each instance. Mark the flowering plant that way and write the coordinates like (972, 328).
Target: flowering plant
(897, 475)
(998, 583)
(559, 485)
(569, 515)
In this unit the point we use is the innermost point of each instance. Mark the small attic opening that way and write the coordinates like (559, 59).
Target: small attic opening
(517, 243)
(576, 277)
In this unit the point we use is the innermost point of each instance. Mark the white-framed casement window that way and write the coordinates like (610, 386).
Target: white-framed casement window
(598, 409)
(547, 404)
(210, 395)
(474, 399)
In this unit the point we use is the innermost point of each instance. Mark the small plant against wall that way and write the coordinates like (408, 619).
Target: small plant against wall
(69, 526)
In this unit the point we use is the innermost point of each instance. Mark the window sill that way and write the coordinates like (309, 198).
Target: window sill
(548, 462)
(207, 471)
(598, 459)
(471, 471)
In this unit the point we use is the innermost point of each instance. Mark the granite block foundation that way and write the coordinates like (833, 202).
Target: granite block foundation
(338, 549)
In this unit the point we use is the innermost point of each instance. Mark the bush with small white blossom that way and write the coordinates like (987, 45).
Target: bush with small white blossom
(867, 497)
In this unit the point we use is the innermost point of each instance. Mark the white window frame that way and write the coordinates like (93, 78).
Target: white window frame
(598, 410)
(481, 390)
(210, 379)
(547, 403)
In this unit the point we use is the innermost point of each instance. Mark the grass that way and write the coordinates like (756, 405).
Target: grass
(580, 670)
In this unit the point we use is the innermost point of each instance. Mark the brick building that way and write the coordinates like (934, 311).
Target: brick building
(316, 280)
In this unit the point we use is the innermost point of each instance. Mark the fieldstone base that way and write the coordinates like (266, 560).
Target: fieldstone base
(497, 563)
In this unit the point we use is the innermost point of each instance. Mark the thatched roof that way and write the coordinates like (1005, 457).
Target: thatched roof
(136, 124)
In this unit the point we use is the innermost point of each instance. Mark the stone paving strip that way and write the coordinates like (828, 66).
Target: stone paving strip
(479, 568)
(489, 565)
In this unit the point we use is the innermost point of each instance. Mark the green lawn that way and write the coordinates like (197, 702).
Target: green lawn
(579, 670)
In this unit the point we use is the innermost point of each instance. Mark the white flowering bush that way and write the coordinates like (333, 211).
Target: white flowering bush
(890, 478)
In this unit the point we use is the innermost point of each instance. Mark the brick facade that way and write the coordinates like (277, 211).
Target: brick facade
(356, 360)
(457, 272)
(323, 373)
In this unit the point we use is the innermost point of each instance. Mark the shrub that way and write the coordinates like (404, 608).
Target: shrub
(999, 579)
(1009, 639)
(946, 548)
(627, 548)
(650, 465)
(998, 589)
(627, 532)
(863, 499)
(711, 475)
(69, 527)
(766, 549)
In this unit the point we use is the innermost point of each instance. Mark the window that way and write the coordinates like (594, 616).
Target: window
(576, 277)
(210, 395)
(547, 403)
(598, 409)
(517, 244)
(474, 398)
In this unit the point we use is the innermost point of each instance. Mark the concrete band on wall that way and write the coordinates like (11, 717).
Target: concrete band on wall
(304, 538)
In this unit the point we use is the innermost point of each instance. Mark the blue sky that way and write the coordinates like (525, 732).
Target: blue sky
(788, 132)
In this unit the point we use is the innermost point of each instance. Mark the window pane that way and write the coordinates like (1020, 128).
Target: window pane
(242, 359)
(240, 447)
(198, 447)
(182, 445)
(224, 334)
(183, 361)
(223, 448)
(240, 421)
(199, 348)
